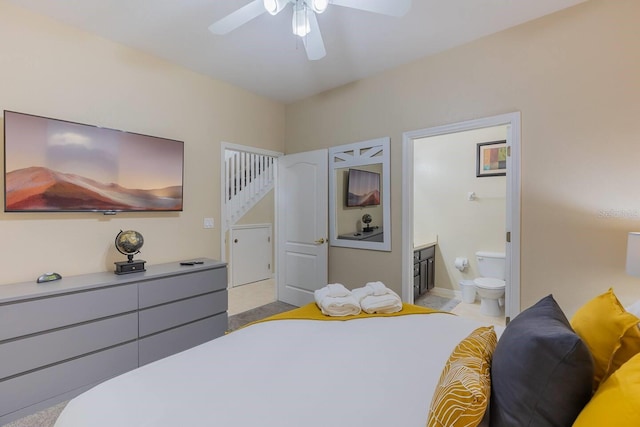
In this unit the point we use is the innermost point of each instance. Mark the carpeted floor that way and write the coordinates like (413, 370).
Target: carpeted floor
(47, 417)
(258, 313)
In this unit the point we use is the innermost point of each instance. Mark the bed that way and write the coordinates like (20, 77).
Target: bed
(360, 372)
(374, 371)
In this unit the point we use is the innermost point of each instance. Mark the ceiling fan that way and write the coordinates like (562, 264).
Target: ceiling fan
(304, 22)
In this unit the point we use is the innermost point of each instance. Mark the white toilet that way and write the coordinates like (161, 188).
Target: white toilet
(490, 285)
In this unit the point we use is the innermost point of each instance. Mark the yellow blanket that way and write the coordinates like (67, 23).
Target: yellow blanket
(312, 312)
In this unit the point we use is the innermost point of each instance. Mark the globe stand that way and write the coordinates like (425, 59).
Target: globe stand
(131, 266)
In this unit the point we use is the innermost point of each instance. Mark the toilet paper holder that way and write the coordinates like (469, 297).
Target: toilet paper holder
(461, 263)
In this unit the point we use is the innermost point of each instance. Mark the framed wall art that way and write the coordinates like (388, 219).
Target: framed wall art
(491, 159)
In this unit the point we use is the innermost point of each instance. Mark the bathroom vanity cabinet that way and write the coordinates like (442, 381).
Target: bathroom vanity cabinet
(423, 270)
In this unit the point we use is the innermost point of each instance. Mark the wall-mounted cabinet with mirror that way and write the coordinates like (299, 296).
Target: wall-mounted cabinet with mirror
(359, 199)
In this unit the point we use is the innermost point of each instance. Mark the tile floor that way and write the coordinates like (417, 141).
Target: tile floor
(473, 311)
(246, 297)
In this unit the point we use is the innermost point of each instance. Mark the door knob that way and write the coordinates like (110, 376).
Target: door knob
(319, 242)
(235, 241)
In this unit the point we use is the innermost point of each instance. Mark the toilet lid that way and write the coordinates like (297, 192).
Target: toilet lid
(489, 283)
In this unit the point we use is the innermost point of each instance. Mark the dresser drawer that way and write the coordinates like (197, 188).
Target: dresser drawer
(167, 316)
(39, 350)
(179, 339)
(160, 291)
(24, 390)
(32, 316)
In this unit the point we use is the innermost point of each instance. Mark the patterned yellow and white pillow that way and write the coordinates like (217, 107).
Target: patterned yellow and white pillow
(462, 394)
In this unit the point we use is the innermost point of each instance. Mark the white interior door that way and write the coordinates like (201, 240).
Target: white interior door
(250, 253)
(302, 226)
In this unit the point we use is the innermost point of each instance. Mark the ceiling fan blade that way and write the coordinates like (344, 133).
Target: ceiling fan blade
(385, 7)
(313, 41)
(238, 18)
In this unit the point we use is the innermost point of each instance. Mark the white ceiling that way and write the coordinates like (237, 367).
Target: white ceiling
(264, 57)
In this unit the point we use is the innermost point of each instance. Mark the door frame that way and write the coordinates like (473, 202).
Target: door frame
(512, 121)
(223, 212)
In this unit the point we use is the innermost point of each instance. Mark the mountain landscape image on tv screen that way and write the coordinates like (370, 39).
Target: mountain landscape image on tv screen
(363, 188)
(58, 166)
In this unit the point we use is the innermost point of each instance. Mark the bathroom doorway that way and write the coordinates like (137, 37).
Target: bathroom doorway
(462, 212)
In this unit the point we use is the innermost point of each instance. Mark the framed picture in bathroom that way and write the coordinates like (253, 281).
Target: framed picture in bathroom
(491, 158)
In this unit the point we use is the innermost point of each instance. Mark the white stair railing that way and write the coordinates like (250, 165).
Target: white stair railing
(248, 178)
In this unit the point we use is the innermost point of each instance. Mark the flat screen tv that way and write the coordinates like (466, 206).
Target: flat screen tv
(363, 188)
(55, 165)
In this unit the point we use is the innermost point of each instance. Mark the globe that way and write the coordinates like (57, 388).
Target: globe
(366, 218)
(129, 243)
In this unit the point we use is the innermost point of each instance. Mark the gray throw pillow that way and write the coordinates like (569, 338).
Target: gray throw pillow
(541, 372)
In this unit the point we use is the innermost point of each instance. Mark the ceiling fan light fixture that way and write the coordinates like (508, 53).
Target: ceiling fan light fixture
(275, 6)
(300, 22)
(304, 22)
(319, 6)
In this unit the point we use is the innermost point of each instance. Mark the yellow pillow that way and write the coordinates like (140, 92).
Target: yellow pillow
(462, 393)
(617, 401)
(610, 332)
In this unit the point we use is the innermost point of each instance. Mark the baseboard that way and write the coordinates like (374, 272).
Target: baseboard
(446, 293)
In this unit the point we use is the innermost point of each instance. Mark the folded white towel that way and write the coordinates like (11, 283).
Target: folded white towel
(330, 291)
(378, 288)
(339, 306)
(336, 300)
(360, 293)
(337, 290)
(387, 303)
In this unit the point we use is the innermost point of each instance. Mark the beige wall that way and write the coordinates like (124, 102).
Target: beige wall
(57, 71)
(574, 77)
(444, 174)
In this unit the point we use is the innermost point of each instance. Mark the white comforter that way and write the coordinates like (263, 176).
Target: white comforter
(298, 373)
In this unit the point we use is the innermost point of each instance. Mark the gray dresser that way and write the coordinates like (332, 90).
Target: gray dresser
(58, 339)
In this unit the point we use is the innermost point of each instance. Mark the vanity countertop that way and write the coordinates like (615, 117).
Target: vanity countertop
(424, 246)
